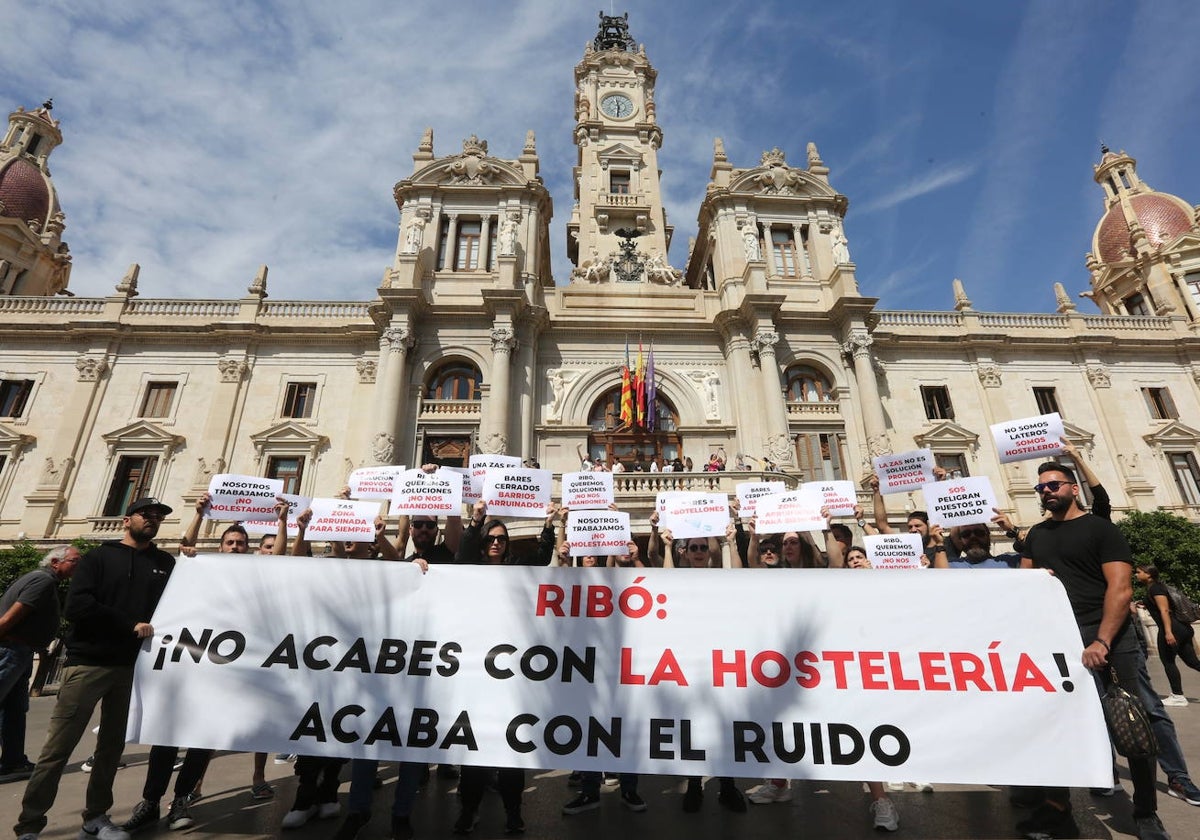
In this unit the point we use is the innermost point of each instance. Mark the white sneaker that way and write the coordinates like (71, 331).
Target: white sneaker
(328, 810)
(101, 828)
(769, 792)
(896, 786)
(923, 787)
(297, 818)
(1175, 700)
(885, 816)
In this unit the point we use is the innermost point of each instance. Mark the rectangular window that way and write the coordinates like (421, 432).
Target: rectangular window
(160, 396)
(14, 396)
(468, 246)
(299, 399)
(1192, 280)
(1160, 404)
(784, 247)
(937, 402)
(955, 465)
(1047, 400)
(618, 182)
(821, 456)
(1187, 476)
(290, 469)
(1136, 304)
(132, 480)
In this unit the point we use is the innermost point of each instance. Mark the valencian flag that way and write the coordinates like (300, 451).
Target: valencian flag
(627, 417)
(639, 385)
(651, 391)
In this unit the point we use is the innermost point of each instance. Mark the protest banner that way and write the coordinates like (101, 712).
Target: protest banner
(339, 519)
(479, 466)
(838, 496)
(960, 501)
(418, 493)
(641, 671)
(894, 551)
(903, 472)
(695, 515)
(242, 498)
(749, 492)
(587, 490)
(1032, 437)
(296, 506)
(520, 493)
(598, 532)
(465, 475)
(792, 511)
(373, 482)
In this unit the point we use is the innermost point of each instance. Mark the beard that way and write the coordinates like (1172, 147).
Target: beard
(1055, 504)
(976, 554)
(147, 532)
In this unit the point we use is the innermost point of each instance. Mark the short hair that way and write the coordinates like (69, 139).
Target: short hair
(857, 548)
(918, 514)
(263, 539)
(772, 540)
(55, 554)
(235, 528)
(839, 529)
(1054, 466)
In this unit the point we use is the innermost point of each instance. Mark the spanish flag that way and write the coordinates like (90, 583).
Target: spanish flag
(627, 417)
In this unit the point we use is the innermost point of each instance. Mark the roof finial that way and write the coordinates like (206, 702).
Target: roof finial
(1104, 148)
(49, 104)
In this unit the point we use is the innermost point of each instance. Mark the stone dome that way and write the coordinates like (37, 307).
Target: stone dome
(24, 192)
(1163, 218)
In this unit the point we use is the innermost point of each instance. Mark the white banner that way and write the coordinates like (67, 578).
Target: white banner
(960, 501)
(479, 466)
(838, 496)
(794, 511)
(242, 498)
(704, 672)
(894, 551)
(339, 519)
(903, 472)
(749, 492)
(598, 532)
(373, 482)
(465, 475)
(1032, 437)
(695, 515)
(418, 493)
(587, 490)
(296, 506)
(520, 493)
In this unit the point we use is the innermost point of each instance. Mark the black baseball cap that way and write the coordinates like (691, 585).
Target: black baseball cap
(146, 503)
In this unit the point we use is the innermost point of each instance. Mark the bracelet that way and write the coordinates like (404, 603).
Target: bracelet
(862, 523)
(938, 548)
(1106, 647)
(1013, 534)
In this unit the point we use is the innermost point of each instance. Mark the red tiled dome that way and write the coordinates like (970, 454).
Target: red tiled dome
(1161, 217)
(24, 192)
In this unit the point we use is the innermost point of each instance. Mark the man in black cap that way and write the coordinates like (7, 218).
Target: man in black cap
(113, 594)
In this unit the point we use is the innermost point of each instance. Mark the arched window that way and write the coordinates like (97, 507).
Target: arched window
(454, 381)
(807, 384)
(634, 444)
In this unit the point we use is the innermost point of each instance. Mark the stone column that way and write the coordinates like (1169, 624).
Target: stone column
(741, 376)
(858, 346)
(394, 344)
(451, 243)
(769, 251)
(805, 266)
(504, 341)
(777, 444)
(485, 251)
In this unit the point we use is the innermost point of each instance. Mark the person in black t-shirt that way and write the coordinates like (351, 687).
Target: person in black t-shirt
(1174, 636)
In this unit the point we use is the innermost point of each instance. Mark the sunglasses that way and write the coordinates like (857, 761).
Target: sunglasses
(697, 548)
(492, 538)
(1052, 486)
(973, 532)
(767, 549)
(421, 523)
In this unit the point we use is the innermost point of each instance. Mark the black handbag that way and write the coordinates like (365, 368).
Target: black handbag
(1128, 723)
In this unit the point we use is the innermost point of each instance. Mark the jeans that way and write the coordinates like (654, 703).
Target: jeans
(16, 665)
(1170, 754)
(362, 783)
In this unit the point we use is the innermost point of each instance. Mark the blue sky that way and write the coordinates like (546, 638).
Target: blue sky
(205, 139)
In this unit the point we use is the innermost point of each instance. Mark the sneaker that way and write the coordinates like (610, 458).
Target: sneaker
(1150, 828)
(466, 822)
(144, 815)
(179, 818)
(895, 786)
(261, 791)
(923, 787)
(884, 814)
(329, 810)
(769, 792)
(298, 817)
(16, 773)
(513, 823)
(355, 822)
(101, 828)
(1181, 787)
(693, 798)
(402, 829)
(732, 798)
(1049, 823)
(284, 758)
(86, 767)
(1105, 791)
(1175, 700)
(631, 800)
(611, 780)
(178, 764)
(582, 802)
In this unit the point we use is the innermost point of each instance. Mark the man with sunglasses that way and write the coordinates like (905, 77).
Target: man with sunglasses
(975, 542)
(113, 594)
(1092, 560)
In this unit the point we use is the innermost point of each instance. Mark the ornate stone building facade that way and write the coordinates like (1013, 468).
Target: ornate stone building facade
(763, 344)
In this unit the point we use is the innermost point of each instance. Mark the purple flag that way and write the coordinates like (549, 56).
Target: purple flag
(651, 392)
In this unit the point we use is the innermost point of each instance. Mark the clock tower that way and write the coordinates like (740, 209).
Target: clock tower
(618, 230)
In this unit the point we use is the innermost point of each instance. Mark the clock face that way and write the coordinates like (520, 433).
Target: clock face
(617, 105)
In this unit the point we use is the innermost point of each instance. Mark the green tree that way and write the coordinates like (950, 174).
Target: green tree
(21, 558)
(1169, 542)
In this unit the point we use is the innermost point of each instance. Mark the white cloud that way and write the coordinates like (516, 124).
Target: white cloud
(939, 178)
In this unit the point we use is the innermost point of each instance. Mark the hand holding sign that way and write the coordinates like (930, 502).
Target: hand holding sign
(1032, 437)
(242, 497)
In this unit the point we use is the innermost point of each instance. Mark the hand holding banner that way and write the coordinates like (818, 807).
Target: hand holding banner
(794, 511)
(838, 496)
(749, 492)
(703, 515)
(520, 493)
(894, 551)
(903, 472)
(598, 532)
(960, 501)
(296, 506)
(338, 519)
(418, 493)
(1033, 437)
(479, 465)
(587, 490)
(242, 498)
(373, 482)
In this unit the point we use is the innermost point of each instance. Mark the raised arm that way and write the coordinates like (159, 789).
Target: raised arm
(300, 546)
(192, 533)
(879, 507)
(282, 508)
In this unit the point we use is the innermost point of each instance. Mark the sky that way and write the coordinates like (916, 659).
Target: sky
(202, 140)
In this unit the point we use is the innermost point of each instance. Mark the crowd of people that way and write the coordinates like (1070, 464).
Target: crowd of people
(115, 588)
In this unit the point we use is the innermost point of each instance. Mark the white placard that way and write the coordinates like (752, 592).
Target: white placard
(479, 466)
(676, 674)
(373, 482)
(587, 490)
(340, 519)
(749, 492)
(242, 498)
(1033, 437)
(598, 532)
(465, 474)
(793, 511)
(960, 501)
(701, 515)
(296, 506)
(838, 496)
(904, 472)
(418, 493)
(894, 551)
(520, 493)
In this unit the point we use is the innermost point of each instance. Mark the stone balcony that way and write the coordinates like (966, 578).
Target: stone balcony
(449, 410)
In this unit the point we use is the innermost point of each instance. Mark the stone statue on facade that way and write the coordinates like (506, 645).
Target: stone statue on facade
(708, 383)
(750, 242)
(657, 271)
(383, 447)
(507, 245)
(559, 378)
(414, 234)
(841, 247)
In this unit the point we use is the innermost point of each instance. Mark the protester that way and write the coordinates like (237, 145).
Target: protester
(1174, 636)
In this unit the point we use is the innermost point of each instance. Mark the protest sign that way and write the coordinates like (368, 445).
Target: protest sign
(894, 551)
(793, 511)
(749, 492)
(598, 532)
(960, 501)
(631, 671)
(339, 519)
(838, 496)
(587, 490)
(479, 466)
(464, 474)
(296, 506)
(418, 493)
(520, 493)
(1033, 437)
(904, 472)
(695, 515)
(373, 482)
(242, 498)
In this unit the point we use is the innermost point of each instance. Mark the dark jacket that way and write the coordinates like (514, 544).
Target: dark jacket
(470, 548)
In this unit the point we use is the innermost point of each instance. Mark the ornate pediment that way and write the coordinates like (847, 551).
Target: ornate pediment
(775, 177)
(288, 435)
(474, 167)
(1173, 434)
(11, 440)
(1081, 437)
(619, 153)
(142, 436)
(946, 435)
